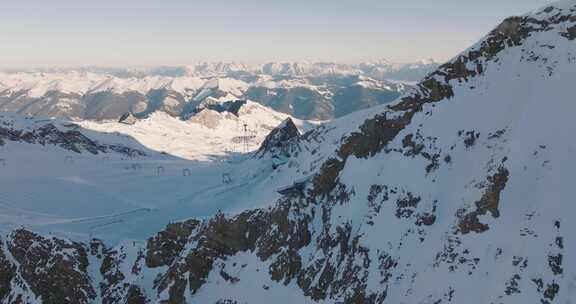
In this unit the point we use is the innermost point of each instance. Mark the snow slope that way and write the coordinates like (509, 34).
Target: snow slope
(178, 175)
(458, 192)
(205, 135)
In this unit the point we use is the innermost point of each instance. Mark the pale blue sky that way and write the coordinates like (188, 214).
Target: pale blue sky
(174, 32)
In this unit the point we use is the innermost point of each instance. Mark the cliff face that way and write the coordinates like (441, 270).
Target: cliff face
(459, 192)
(279, 140)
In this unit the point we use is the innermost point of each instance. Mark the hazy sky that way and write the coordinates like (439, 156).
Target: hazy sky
(173, 32)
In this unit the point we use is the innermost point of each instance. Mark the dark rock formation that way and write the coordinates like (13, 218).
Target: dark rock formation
(70, 139)
(128, 118)
(278, 139)
(375, 241)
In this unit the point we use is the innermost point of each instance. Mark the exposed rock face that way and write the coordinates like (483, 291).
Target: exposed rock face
(437, 198)
(7, 274)
(66, 136)
(128, 118)
(278, 139)
(488, 203)
(53, 269)
(210, 112)
(163, 248)
(70, 140)
(228, 106)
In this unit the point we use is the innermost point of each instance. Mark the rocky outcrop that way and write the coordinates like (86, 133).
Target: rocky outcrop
(128, 118)
(278, 141)
(232, 107)
(67, 137)
(7, 274)
(52, 269)
(488, 203)
(444, 197)
(164, 247)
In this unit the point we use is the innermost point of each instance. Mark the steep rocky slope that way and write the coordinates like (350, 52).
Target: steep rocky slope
(459, 192)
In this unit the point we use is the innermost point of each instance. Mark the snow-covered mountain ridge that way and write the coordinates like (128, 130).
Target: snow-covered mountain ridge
(212, 132)
(91, 96)
(458, 192)
(204, 135)
(379, 69)
(66, 135)
(305, 90)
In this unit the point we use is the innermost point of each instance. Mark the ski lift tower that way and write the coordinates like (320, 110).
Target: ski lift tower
(245, 137)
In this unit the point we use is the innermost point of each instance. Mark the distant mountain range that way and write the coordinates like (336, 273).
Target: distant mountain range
(379, 69)
(317, 91)
(458, 192)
